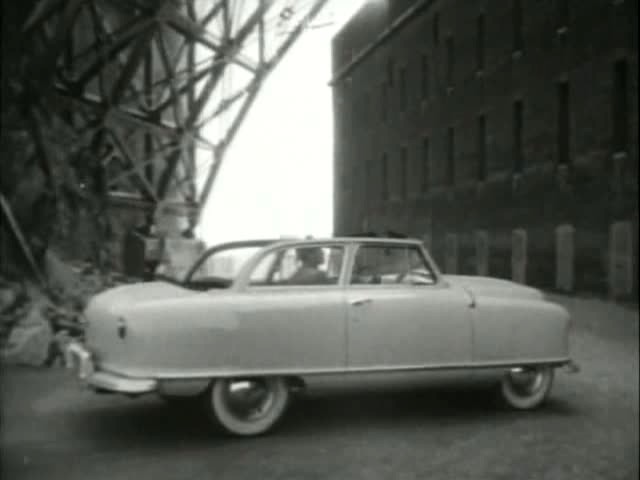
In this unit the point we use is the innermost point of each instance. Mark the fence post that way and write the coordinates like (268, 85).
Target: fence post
(620, 259)
(451, 253)
(519, 255)
(481, 238)
(565, 238)
(426, 241)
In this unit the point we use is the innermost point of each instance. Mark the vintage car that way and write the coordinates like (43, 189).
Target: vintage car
(253, 321)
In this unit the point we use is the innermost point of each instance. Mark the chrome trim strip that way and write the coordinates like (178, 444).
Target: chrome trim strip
(230, 373)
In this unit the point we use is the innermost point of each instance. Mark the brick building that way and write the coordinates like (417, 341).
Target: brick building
(460, 121)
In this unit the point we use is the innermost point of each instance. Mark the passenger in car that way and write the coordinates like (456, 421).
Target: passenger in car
(308, 273)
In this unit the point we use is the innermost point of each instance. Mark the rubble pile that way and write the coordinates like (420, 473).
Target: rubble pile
(37, 322)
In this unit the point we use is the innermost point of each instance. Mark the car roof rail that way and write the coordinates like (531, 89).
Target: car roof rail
(388, 234)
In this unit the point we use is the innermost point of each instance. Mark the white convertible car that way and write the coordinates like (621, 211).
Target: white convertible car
(254, 320)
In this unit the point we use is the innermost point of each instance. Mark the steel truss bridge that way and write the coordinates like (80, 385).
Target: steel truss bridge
(137, 81)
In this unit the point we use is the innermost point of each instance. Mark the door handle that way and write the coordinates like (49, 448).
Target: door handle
(360, 302)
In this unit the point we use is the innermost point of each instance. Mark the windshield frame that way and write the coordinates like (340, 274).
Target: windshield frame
(224, 247)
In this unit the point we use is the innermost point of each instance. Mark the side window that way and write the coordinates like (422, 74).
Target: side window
(398, 264)
(300, 265)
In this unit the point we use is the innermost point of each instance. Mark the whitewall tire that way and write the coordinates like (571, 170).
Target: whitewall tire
(526, 388)
(247, 407)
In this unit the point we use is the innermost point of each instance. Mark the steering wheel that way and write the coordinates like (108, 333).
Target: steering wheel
(413, 271)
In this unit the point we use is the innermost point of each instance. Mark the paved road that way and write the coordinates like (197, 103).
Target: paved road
(587, 430)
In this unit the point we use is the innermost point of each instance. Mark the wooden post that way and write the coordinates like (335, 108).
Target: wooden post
(519, 255)
(481, 240)
(620, 259)
(451, 253)
(565, 257)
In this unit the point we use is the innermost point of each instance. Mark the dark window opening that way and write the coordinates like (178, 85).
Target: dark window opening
(482, 148)
(426, 167)
(402, 79)
(518, 121)
(480, 47)
(383, 102)
(424, 83)
(620, 107)
(451, 166)
(368, 185)
(562, 14)
(404, 173)
(384, 177)
(564, 127)
(436, 28)
(450, 61)
(518, 36)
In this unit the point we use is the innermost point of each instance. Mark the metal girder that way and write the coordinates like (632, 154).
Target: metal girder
(149, 73)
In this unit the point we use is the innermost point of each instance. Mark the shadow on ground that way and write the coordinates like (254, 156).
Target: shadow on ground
(156, 425)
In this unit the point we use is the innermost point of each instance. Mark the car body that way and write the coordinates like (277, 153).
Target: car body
(288, 311)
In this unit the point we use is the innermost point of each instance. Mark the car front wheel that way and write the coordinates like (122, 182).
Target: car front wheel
(527, 387)
(247, 407)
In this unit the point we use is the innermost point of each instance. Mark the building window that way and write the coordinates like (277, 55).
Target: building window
(384, 102)
(480, 34)
(562, 15)
(564, 127)
(404, 171)
(364, 110)
(518, 121)
(451, 157)
(426, 166)
(482, 147)
(424, 77)
(518, 34)
(436, 28)
(384, 177)
(450, 61)
(620, 107)
(402, 84)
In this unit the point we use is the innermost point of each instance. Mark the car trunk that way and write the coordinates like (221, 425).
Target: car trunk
(111, 333)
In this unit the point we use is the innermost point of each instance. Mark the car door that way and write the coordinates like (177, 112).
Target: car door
(401, 315)
(290, 321)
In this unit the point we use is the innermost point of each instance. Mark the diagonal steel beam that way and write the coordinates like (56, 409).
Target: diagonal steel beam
(121, 42)
(212, 82)
(46, 65)
(136, 170)
(41, 13)
(213, 12)
(236, 44)
(132, 65)
(170, 72)
(198, 33)
(248, 102)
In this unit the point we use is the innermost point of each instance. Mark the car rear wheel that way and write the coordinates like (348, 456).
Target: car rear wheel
(247, 407)
(527, 387)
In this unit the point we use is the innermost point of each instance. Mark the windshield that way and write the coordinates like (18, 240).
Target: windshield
(219, 266)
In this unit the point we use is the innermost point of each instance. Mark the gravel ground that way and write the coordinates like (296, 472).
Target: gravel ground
(587, 430)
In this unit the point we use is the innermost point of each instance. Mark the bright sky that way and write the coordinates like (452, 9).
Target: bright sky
(277, 177)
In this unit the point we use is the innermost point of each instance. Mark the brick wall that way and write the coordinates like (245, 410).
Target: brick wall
(377, 113)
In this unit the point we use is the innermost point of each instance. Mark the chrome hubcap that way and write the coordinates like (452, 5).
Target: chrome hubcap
(248, 400)
(526, 381)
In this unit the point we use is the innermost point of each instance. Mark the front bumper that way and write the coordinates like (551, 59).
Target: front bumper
(78, 358)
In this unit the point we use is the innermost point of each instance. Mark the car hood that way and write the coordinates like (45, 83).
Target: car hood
(493, 287)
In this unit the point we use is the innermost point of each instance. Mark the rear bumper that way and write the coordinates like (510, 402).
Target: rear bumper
(80, 359)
